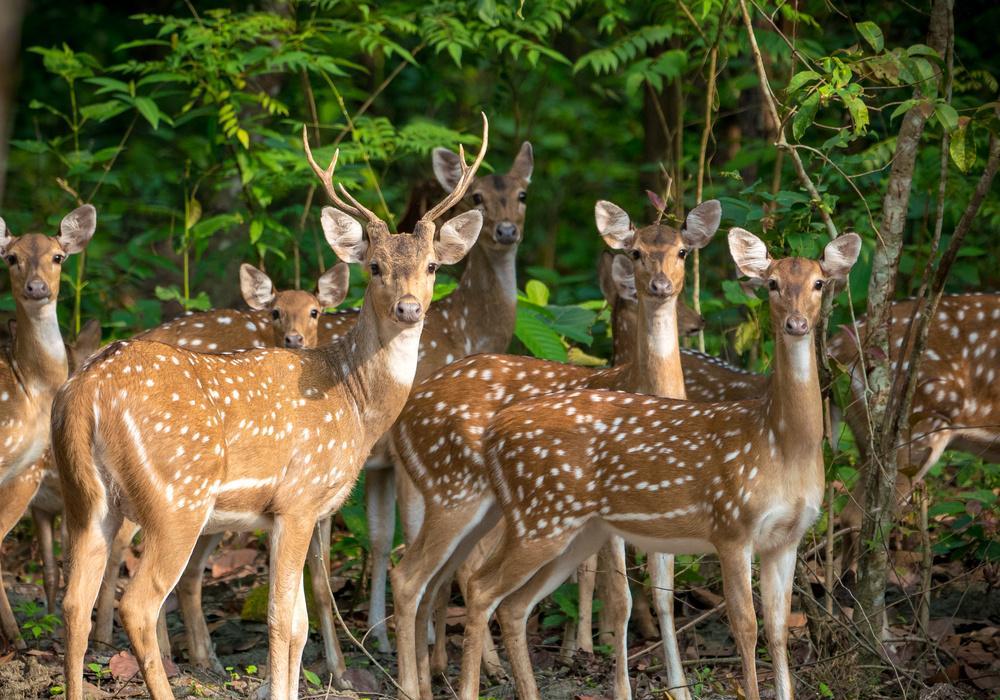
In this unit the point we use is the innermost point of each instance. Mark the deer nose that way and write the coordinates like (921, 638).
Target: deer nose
(36, 288)
(293, 340)
(660, 286)
(408, 310)
(506, 233)
(796, 324)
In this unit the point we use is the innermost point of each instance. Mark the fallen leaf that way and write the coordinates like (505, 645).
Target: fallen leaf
(362, 680)
(796, 619)
(170, 667)
(233, 561)
(123, 666)
(92, 692)
(6, 657)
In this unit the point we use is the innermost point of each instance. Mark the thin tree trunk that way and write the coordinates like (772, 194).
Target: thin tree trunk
(11, 16)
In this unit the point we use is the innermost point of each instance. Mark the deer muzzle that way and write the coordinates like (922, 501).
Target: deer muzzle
(408, 310)
(506, 233)
(37, 289)
(661, 287)
(796, 324)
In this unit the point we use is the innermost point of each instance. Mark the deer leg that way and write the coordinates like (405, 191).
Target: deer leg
(661, 572)
(777, 571)
(201, 653)
(736, 586)
(515, 608)
(300, 635)
(319, 577)
(164, 557)
(289, 546)
(15, 495)
(50, 569)
(586, 581)
(439, 653)
(482, 549)
(380, 497)
(411, 505)
(87, 549)
(619, 610)
(104, 628)
(444, 538)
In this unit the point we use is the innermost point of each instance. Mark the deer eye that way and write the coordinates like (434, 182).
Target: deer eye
(58, 258)
(275, 314)
(11, 259)
(818, 285)
(682, 253)
(432, 268)
(772, 284)
(375, 269)
(522, 196)
(314, 313)
(635, 254)
(477, 199)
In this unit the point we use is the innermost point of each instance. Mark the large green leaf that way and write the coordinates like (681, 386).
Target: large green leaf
(962, 147)
(540, 339)
(872, 34)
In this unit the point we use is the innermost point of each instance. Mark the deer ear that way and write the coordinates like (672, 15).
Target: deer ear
(258, 291)
(689, 321)
(750, 254)
(604, 277)
(613, 224)
(77, 228)
(5, 238)
(701, 224)
(333, 285)
(524, 163)
(840, 255)
(344, 235)
(457, 236)
(447, 168)
(623, 274)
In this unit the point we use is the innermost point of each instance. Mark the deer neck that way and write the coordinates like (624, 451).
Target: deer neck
(38, 350)
(794, 405)
(487, 291)
(376, 362)
(656, 368)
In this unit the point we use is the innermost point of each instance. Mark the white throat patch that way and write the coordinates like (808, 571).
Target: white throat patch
(402, 353)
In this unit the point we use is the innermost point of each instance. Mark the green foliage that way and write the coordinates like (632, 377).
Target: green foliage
(38, 622)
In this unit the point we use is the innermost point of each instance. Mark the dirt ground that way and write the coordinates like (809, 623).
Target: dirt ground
(963, 664)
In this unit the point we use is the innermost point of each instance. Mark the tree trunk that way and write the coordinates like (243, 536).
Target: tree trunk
(11, 16)
(880, 471)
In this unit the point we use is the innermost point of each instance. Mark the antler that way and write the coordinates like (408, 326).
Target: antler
(468, 172)
(351, 206)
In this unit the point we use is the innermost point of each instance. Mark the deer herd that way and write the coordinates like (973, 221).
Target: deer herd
(511, 474)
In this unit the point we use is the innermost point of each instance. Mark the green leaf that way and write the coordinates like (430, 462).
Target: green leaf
(31, 146)
(573, 322)
(962, 147)
(859, 111)
(537, 292)
(872, 34)
(538, 337)
(102, 111)
(312, 678)
(922, 50)
(149, 110)
(733, 291)
(801, 78)
(947, 115)
(902, 109)
(256, 231)
(243, 137)
(805, 115)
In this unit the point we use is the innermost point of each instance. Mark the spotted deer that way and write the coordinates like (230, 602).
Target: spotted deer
(957, 402)
(290, 318)
(437, 437)
(736, 478)
(185, 443)
(35, 364)
(39, 483)
(287, 318)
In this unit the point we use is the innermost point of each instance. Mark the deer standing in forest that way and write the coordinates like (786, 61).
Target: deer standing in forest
(437, 437)
(737, 478)
(184, 443)
(957, 401)
(35, 365)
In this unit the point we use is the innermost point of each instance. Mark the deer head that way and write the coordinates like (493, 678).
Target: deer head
(86, 344)
(654, 265)
(402, 267)
(295, 313)
(35, 260)
(499, 198)
(795, 285)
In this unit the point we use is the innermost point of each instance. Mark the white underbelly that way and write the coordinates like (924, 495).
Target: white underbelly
(669, 545)
(237, 521)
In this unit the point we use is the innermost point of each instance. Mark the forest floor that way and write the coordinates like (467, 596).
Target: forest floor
(961, 661)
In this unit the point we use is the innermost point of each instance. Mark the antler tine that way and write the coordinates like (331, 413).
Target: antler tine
(360, 208)
(326, 177)
(468, 172)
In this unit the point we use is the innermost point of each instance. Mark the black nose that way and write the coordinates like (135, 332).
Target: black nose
(293, 340)
(506, 233)
(796, 325)
(408, 310)
(37, 289)
(660, 286)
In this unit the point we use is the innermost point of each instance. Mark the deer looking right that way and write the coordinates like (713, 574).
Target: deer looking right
(271, 438)
(737, 478)
(437, 437)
